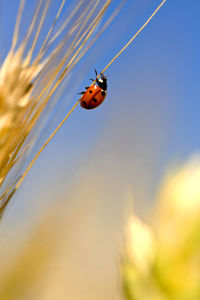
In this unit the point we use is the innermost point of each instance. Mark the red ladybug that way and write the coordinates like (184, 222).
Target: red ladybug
(95, 94)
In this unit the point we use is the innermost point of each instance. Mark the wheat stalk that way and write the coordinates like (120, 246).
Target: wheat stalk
(32, 79)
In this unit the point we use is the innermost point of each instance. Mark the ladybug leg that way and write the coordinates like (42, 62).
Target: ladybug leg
(96, 76)
(92, 79)
(87, 87)
(81, 93)
(97, 80)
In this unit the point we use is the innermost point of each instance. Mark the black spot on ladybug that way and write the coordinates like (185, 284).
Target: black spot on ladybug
(103, 93)
(90, 92)
(84, 103)
(95, 100)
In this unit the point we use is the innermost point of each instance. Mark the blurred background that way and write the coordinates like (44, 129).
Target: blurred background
(74, 202)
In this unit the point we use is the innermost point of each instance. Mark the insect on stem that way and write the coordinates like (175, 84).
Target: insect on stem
(76, 104)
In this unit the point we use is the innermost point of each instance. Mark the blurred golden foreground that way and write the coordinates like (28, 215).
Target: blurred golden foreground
(162, 259)
(74, 251)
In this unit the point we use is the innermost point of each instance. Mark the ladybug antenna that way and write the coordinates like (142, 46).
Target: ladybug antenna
(103, 76)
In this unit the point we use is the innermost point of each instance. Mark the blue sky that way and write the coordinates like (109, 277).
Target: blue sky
(150, 117)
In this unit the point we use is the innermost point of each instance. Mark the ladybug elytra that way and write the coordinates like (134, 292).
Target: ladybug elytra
(95, 94)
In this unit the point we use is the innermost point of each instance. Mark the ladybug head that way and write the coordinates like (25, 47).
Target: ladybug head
(102, 82)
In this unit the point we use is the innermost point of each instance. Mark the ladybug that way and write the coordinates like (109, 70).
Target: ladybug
(95, 94)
